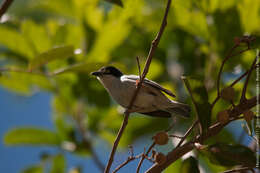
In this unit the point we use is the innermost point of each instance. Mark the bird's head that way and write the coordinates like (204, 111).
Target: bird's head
(108, 71)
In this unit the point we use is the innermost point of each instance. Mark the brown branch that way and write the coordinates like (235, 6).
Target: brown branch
(239, 170)
(118, 137)
(4, 7)
(232, 84)
(175, 136)
(139, 67)
(243, 39)
(143, 157)
(222, 66)
(243, 95)
(212, 131)
(129, 159)
(154, 45)
(187, 133)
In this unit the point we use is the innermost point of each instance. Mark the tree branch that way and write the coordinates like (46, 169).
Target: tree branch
(4, 7)
(188, 132)
(177, 153)
(142, 159)
(154, 45)
(243, 96)
(244, 39)
(222, 66)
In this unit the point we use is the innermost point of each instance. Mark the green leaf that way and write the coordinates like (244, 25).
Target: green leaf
(25, 83)
(230, 155)
(36, 35)
(80, 68)
(31, 136)
(34, 169)
(117, 2)
(249, 15)
(189, 165)
(10, 38)
(58, 164)
(61, 52)
(199, 95)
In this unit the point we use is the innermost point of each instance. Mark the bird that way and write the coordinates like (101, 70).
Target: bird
(151, 99)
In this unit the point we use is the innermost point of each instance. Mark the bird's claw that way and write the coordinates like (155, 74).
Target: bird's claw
(137, 82)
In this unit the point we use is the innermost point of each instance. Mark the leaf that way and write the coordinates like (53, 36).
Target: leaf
(34, 169)
(79, 68)
(25, 83)
(10, 38)
(230, 155)
(61, 52)
(189, 165)
(58, 164)
(31, 136)
(249, 15)
(117, 2)
(199, 96)
(36, 35)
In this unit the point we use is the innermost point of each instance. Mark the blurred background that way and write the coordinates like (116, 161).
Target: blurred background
(54, 116)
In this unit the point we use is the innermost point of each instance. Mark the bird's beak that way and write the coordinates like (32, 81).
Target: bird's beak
(96, 73)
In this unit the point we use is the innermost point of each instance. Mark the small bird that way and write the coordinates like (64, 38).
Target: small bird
(150, 99)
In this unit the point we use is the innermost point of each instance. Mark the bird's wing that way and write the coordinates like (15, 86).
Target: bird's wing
(151, 83)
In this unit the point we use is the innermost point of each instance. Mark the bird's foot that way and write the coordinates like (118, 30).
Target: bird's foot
(137, 82)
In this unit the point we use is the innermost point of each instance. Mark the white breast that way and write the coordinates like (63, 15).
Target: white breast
(118, 90)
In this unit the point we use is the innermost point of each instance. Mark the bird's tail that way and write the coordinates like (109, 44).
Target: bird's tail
(180, 109)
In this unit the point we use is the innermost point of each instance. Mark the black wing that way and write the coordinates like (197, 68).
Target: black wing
(151, 83)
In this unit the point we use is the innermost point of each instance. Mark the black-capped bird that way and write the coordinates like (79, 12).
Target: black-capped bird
(150, 99)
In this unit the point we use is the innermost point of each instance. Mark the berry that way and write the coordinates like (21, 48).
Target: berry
(161, 138)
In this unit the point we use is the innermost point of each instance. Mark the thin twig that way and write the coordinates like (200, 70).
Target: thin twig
(139, 67)
(175, 136)
(239, 170)
(143, 157)
(187, 133)
(233, 83)
(222, 66)
(4, 7)
(129, 159)
(243, 95)
(154, 45)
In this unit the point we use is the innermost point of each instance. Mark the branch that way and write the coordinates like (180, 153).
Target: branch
(222, 66)
(244, 39)
(4, 7)
(213, 130)
(154, 45)
(187, 133)
(243, 96)
(129, 159)
(142, 159)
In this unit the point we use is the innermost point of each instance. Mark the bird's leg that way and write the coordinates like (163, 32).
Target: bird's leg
(137, 82)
